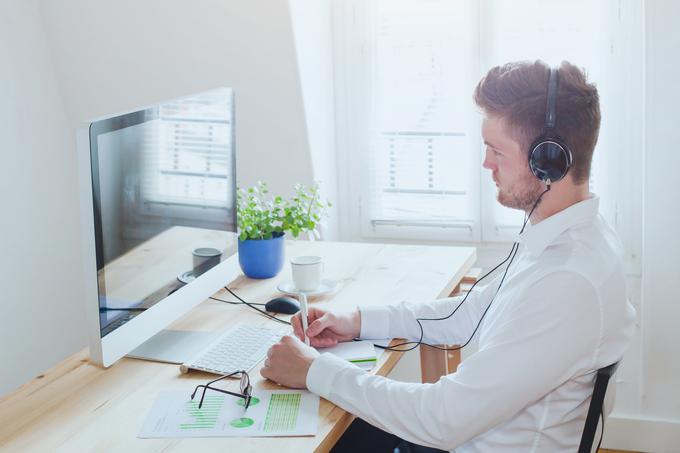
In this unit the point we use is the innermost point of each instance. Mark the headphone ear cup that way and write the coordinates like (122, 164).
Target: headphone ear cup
(549, 160)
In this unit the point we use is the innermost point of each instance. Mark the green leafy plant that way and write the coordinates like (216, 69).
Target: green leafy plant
(261, 216)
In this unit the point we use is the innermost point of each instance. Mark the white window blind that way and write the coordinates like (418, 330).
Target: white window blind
(406, 72)
(422, 129)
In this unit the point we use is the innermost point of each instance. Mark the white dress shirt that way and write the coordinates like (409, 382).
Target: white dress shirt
(560, 315)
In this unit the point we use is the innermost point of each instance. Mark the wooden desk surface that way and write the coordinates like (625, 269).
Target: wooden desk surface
(79, 407)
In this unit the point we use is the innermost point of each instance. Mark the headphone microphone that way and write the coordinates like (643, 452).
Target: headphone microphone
(549, 157)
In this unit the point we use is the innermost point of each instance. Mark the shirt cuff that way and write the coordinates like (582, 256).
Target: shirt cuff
(322, 371)
(375, 323)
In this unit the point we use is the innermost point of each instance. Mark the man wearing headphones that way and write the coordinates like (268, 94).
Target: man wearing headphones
(544, 325)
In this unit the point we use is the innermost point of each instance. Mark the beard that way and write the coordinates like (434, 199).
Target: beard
(522, 195)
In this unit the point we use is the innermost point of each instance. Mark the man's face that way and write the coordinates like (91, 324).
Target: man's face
(517, 187)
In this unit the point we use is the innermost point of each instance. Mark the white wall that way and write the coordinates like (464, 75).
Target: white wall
(115, 56)
(312, 28)
(40, 313)
(655, 425)
(110, 57)
(661, 315)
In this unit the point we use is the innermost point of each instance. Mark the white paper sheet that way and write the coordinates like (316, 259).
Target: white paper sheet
(360, 353)
(271, 413)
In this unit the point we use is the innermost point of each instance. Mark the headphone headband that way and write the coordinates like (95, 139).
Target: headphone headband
(550, 114)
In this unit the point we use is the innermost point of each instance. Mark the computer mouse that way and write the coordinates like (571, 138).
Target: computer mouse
(283, 304)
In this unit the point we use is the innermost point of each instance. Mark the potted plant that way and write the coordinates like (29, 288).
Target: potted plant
(264, 220)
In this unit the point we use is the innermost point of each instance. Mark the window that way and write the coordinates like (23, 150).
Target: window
(405, 75)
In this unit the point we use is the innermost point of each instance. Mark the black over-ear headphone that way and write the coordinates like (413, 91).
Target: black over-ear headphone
(549, 156)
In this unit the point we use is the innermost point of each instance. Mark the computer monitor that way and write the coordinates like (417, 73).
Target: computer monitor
(158, 206)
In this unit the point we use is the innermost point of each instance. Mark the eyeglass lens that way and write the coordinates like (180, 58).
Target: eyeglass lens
(245, 383)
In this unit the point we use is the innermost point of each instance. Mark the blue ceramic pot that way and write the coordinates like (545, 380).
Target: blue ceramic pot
(261, 258)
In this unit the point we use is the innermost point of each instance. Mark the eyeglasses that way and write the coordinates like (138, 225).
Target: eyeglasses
(246, 388)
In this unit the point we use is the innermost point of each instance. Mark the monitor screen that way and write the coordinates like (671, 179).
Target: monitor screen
(164, 192)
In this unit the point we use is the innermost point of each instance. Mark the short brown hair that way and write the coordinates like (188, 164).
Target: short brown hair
(517, 92)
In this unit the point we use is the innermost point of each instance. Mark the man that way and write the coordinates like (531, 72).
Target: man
(560, 315)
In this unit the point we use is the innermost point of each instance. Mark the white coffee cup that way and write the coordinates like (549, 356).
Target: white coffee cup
(306, 272)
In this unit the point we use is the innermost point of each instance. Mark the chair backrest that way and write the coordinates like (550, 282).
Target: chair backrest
(595, 410)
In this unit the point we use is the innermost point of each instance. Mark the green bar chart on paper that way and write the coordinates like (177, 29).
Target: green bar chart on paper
(205, 417)
(282, 413)
(270, 413)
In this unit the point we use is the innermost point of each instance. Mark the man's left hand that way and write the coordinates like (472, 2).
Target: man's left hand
(288, 362)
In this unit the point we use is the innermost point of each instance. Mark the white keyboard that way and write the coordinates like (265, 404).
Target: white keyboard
(239, 348)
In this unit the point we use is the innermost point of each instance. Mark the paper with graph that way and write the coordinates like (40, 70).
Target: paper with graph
(271, 413)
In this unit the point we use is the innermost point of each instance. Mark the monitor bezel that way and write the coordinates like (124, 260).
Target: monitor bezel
(106, 350)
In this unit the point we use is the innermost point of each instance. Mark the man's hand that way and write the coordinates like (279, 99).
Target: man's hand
(327, 328)
(288, 362)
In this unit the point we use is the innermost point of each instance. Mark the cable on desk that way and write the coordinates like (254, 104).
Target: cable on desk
(232, 302)
(255, 308)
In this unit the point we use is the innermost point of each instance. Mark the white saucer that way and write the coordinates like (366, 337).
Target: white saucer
(327, 286)
(186, 277)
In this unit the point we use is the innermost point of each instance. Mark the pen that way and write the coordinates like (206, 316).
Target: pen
(303, 309)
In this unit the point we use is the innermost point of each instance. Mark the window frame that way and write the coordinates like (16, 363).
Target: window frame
(351, 30)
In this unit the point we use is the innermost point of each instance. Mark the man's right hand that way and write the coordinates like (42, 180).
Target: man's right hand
(327, 328)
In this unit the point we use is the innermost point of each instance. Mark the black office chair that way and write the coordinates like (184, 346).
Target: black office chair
(596, 408)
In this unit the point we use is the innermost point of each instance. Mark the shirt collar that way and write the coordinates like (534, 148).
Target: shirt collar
(537, 237)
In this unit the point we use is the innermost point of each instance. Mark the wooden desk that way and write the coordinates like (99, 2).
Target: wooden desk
(79, 407)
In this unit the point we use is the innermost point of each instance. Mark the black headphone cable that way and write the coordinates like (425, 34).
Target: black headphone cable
(511, 256)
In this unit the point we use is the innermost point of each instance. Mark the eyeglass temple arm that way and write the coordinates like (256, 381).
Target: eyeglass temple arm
(240, 395)
(225, 376)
